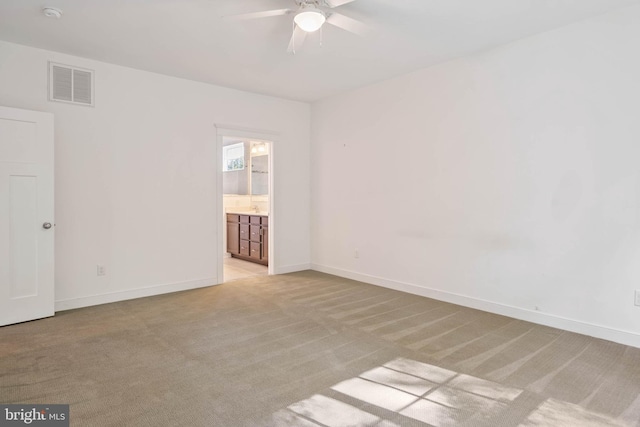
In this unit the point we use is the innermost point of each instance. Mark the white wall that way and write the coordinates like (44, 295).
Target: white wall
(506, 181)
(136, 178)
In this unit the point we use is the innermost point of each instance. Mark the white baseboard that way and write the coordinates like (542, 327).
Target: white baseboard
(291, 268)
(598, 331)
(72, 303)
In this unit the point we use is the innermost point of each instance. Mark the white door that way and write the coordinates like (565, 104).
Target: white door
(26, 215)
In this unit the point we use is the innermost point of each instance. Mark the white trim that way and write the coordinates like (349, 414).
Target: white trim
(590, 329)
(220, 219)
(292, 268)
(72, 303)
(271, 231)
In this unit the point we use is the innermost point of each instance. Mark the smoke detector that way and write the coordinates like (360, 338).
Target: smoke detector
(52, 12)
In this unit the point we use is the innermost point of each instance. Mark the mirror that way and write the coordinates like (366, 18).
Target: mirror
(260, 175)
(245, 166)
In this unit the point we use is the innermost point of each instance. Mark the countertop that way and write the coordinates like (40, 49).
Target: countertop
(251, 212)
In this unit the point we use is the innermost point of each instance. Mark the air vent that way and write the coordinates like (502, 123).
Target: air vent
(70, 84)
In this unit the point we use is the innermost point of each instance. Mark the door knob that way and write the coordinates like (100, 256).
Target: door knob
(46, 225)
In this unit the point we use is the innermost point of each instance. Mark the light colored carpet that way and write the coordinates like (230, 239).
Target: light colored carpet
(309, 349)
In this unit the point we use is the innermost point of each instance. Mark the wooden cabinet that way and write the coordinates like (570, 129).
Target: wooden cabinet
(233, 237)
(265, 243)
(248, 237)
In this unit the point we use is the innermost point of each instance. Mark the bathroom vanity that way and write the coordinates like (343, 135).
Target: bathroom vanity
(248, 237)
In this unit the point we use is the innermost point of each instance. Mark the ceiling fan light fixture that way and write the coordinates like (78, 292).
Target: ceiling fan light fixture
(310, 19)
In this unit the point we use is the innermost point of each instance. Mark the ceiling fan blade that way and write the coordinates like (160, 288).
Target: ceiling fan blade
(255, 15)
(348, 24)
(297, 39)
(336, 3)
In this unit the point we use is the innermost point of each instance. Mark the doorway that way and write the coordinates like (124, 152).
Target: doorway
(245, 204)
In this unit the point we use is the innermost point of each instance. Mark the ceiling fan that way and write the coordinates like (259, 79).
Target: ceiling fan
(310, 16)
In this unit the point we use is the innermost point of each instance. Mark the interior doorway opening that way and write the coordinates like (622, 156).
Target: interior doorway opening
(246, 206)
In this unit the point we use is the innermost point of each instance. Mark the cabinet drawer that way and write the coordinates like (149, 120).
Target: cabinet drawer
(254, 233)
(233, 218)
(255, 219)
(265, 220)
(244, 247)
(255, 250)
(244, 231)
(244, 219)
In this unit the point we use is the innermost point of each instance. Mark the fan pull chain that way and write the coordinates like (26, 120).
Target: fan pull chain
(293, 37)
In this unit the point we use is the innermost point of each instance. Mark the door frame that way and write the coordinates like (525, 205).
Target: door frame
(244, 133)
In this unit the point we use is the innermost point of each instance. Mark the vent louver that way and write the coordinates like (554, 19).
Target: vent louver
(70, 84)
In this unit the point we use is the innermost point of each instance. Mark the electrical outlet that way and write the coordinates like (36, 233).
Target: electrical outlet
(356, 254)
(101, 270)
(637, 302)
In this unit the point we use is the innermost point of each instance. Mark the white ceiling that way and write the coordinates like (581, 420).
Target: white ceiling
(191, 39)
